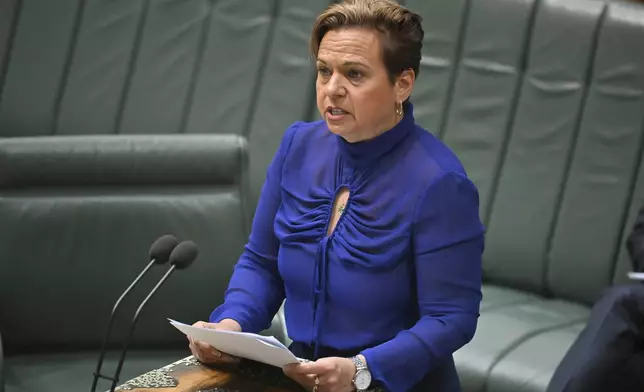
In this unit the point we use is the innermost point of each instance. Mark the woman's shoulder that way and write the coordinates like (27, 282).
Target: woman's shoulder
(433, 159)
(438, 153)
(445, 184)
(302, 131)
(302, 136)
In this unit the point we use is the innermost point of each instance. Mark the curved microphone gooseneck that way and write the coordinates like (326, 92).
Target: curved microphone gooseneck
(180, 258)
(160, 253)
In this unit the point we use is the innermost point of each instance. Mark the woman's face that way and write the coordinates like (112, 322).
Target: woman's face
(354, 94)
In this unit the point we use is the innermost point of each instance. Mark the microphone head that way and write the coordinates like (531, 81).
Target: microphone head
(184, 254)
(162, 247)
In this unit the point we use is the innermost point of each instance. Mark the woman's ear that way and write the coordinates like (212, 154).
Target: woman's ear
(405, 84)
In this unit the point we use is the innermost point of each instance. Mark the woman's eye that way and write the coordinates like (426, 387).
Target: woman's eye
(354, 74)
(324, 71)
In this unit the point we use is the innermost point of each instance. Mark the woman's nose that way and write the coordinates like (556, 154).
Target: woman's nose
(335, 86)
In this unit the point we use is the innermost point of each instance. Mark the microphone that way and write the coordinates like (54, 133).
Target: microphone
(159, 254)
(181, 258)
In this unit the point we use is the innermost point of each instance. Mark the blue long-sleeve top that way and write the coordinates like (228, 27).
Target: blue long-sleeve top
(400, 274)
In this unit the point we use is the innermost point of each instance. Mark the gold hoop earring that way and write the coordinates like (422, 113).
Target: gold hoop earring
(399, 109)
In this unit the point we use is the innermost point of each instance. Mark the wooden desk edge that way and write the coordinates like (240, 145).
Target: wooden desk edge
(188, 375)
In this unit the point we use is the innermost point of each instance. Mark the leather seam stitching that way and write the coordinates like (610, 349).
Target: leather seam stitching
(505, 352)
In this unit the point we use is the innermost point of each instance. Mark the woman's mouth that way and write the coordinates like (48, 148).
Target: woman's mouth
(335, 114)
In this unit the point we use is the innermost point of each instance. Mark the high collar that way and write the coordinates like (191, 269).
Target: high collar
(363, 153)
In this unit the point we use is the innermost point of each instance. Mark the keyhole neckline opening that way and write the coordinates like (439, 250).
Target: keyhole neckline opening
(335, 207)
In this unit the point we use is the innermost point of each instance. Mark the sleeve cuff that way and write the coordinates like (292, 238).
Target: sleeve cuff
(399, 363)
(240, 316)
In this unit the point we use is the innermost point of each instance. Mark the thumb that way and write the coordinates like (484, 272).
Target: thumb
(300, 369)
(203, 324)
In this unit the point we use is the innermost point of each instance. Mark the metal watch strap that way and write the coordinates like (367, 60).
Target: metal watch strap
(359, 364)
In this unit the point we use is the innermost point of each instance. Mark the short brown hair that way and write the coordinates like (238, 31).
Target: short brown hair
(400, 29)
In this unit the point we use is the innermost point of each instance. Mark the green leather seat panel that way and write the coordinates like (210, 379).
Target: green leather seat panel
(79, 214)
(286, 93)
(8, 10)
(604, 160)
(485, 89)
(98, 71)
(443, 23)
(550, 99)
(502, 328)
(278, 328)
(100, 232)
(168, 45)
(236, 41)
(1, 365)
(131, 160)
(32, 81)
(73, 371)
(498, 297)
(529, 366)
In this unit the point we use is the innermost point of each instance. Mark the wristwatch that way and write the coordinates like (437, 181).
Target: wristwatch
(362, 379)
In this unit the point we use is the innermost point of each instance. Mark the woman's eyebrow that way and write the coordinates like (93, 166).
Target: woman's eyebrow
(345, 64)
(353, 63)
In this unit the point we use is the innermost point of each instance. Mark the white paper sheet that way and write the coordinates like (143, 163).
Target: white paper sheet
(636, 275)
(265, 349)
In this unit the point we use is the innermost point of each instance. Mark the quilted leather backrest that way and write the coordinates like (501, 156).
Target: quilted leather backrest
(134, 160)
(543, 100)
(78, 215)
(158, 67)
(287, 89)
(103, 107)
(132, 67)
(545, 106)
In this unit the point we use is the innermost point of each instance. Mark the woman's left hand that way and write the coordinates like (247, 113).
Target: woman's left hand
(334, 374)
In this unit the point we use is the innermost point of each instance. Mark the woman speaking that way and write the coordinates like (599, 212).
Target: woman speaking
(367, 225)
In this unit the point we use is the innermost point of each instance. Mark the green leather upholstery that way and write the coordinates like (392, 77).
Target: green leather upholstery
(1, 366)
(287, 88)
(124, 120)
(72, 371)
(78, 216)
(606, 156)
(546, 113)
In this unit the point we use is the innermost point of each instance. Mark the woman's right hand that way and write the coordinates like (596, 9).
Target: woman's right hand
(207, 354)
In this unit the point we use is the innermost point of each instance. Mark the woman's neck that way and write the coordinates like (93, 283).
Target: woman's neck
(370, 134)
(365, 152)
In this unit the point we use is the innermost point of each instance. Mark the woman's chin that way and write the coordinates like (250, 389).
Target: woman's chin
(338, 129)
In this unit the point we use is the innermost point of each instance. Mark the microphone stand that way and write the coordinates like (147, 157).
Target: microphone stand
(133, 324)
(97, 373)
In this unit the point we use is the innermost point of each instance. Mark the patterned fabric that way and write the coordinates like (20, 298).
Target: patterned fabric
(158, 378)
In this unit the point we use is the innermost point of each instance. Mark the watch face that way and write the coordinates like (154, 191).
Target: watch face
(363, 380)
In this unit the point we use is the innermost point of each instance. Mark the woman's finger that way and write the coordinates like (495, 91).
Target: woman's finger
(204, 346)
(329, 380)
(194, 349)
(199, 352)
(206, 358)
(211, 355)
(305, 380)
